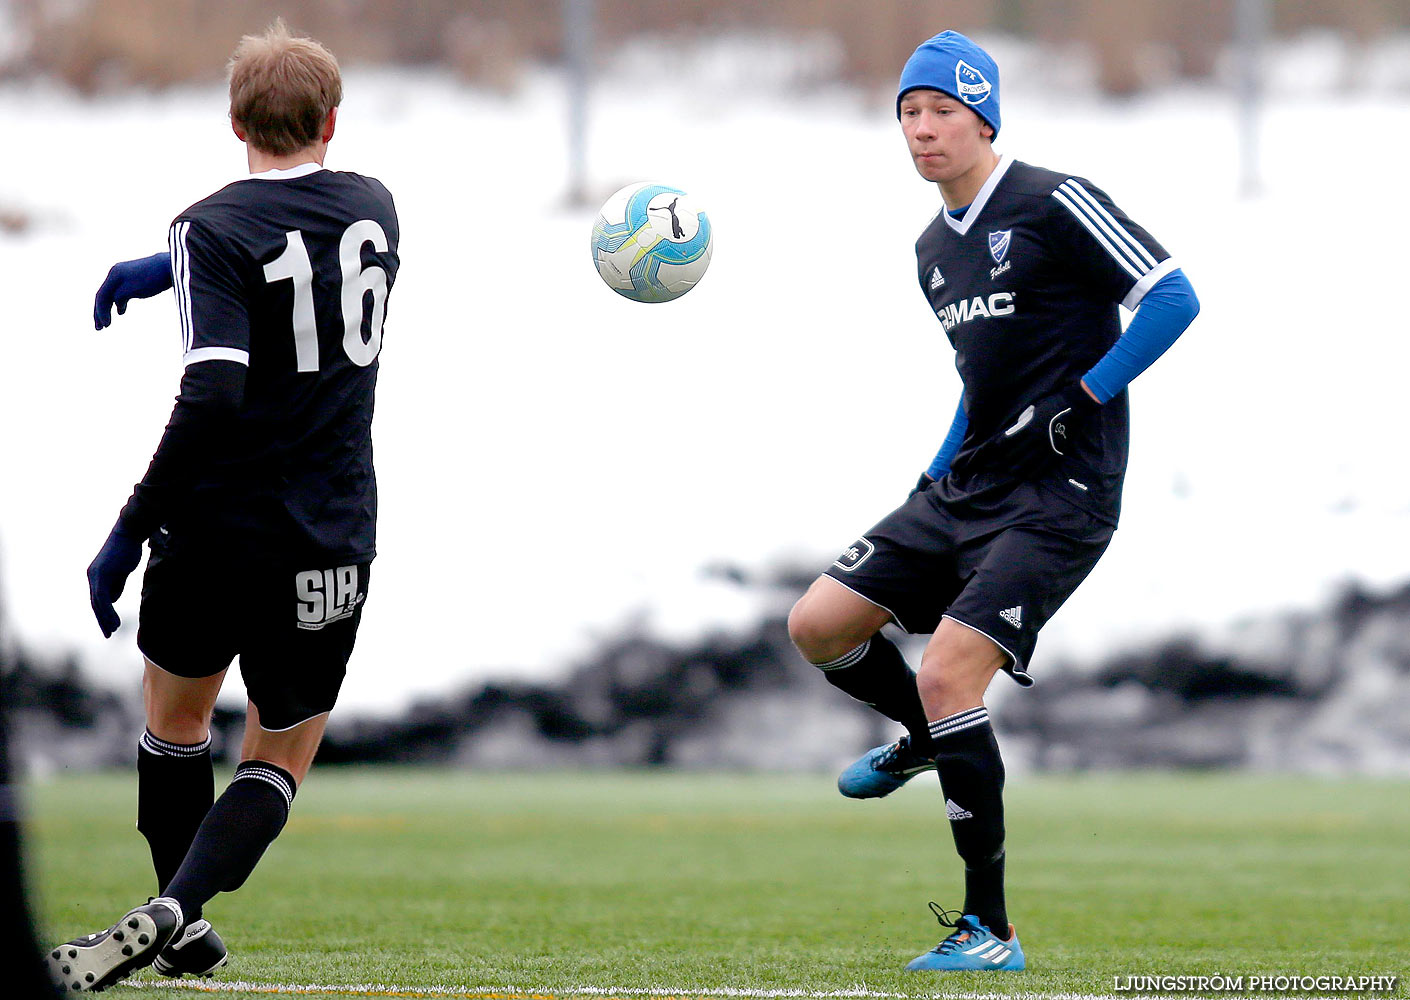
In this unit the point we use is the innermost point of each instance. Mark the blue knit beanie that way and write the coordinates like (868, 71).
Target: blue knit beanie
(954, 65)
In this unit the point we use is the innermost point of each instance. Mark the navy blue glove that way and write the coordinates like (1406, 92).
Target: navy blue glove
(107, 576)
(1040, 435)
(131, 279)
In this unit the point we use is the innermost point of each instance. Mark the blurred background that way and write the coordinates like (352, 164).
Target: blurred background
(596, 514)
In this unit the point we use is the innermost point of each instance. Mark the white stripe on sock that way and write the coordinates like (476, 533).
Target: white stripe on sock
(959, 722)
(846, 659)
(163, 748)
(269, 777)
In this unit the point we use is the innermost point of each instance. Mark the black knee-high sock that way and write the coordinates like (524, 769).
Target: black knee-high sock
(972, 779)
(175, 789)
(235, 834)
(876, 674)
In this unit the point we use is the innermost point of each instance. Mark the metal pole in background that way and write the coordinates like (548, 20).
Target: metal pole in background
(1252, 22)
(578, 18)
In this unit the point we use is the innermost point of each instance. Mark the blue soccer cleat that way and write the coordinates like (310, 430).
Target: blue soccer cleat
(882, 770)
(971, 948)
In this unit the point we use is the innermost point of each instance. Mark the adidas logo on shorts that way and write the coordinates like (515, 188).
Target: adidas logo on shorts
(1013, 615)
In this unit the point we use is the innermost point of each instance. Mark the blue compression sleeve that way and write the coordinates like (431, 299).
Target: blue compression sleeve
(1164, 313)
(941, 465)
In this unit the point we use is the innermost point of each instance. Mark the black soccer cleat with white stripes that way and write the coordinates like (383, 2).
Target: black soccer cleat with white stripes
(196, 951)
(94, 962)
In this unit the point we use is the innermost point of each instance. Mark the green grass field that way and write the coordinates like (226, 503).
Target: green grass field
(692, 885)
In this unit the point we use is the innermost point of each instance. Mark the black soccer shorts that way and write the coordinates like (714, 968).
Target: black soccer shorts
(1002, 566)
(293, 628)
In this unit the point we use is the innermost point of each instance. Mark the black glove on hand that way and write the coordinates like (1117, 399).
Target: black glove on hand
(107, 576)
(1040, 435)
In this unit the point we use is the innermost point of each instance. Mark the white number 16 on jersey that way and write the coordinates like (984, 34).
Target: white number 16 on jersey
(357, 281)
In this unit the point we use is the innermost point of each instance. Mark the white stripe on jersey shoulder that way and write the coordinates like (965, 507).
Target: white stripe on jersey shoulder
(217, 354)
(1123, 247)
(961, 226)
(1139, 289)
(181, 278)
(1102, 214)
(1091, 226)
(301, 170)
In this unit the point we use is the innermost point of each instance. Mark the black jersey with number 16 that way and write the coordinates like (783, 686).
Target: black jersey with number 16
(288, 273)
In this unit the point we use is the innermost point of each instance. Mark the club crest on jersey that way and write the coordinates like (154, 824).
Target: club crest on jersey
(999, 245)
(970, 84)
(855, 555)
(937, 279)
(998, 249)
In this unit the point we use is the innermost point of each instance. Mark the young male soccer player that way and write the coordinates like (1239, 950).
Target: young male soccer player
(1025, 268)
(259, 504)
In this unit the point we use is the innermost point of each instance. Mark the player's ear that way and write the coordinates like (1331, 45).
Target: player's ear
(236, 129)
(330, 124)
(986, 130)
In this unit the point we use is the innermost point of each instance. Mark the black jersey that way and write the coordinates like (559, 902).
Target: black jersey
(286, 273)
(1026, 285)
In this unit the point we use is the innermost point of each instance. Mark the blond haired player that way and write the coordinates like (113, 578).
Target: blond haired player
(260, 502)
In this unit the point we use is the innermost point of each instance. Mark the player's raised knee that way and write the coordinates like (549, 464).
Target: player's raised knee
(957, 667)
(808, 631)
(941, 688)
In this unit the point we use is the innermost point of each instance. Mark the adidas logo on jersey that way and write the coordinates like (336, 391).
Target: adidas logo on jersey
(936, 279)
(1013, 615)
(954, 811)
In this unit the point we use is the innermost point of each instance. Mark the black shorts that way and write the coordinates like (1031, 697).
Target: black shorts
(292, 627)
(1002, 566)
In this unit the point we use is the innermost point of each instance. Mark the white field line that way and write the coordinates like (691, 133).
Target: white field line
(662, 993)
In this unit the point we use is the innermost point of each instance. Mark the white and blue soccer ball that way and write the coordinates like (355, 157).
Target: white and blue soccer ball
(651, 243)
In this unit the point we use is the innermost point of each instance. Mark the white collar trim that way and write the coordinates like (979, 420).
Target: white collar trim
(961, 226)
(301, 170)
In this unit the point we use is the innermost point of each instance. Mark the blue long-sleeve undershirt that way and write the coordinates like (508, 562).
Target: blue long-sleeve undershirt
(1167, 309)
(1165, 312)
(951, 444)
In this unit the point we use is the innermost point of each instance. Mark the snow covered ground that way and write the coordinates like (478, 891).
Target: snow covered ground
(557, 462)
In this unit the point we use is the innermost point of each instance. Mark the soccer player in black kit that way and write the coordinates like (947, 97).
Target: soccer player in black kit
(1025, 269)
(260, 503)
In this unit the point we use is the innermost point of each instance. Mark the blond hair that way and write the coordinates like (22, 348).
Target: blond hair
(281, 89)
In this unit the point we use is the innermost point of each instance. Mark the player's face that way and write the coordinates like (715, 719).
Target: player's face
(946, 139)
